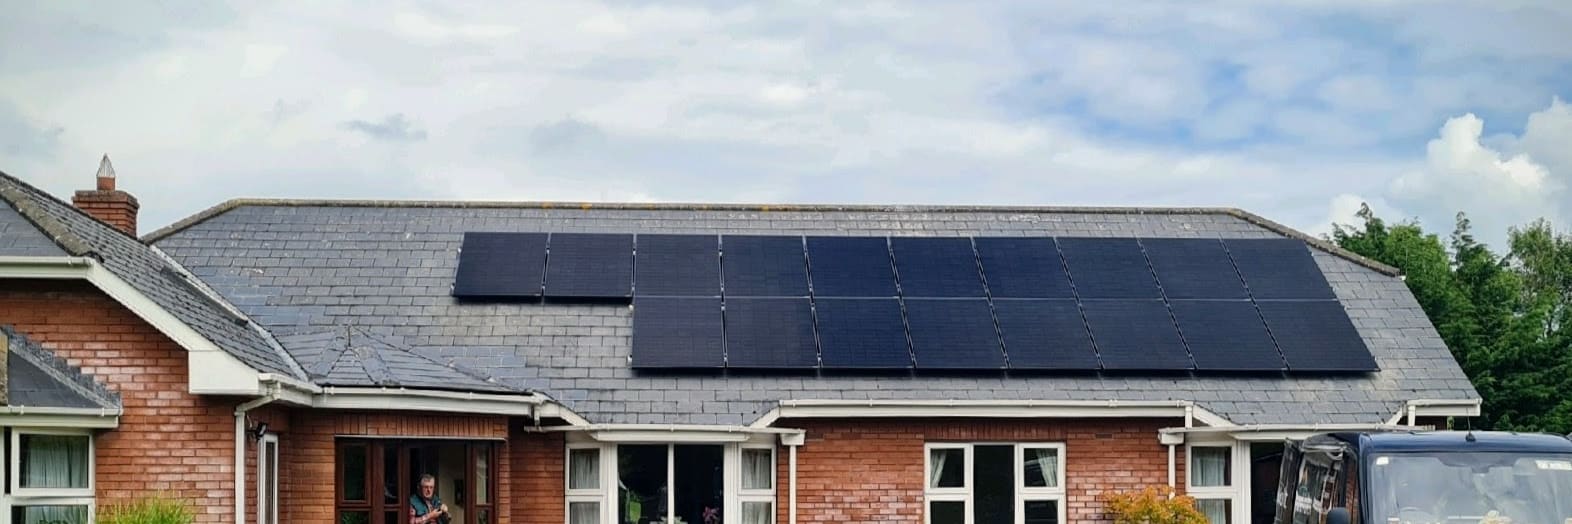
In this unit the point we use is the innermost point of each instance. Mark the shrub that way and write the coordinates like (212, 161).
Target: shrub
(1153, 506)
(155, 509)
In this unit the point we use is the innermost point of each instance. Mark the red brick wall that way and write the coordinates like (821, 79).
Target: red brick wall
(307, 456)
(853, 471)
(538, 478)
(872, 471)
(168, 439)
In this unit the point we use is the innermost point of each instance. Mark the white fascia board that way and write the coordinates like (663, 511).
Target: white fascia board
(989, 409)
(1269, 432)
(46, 417)
(396, 399)
(657, 436)
(210, 369)
(552, 409)
(666, 433)
(1437, 408)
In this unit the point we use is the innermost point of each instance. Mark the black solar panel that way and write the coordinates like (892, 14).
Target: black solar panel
(1108, 268)
(1023, 268)
(677, 265)
(936, 267)
(500, 265)
(862, 333)
(1193, 268)
(677, 332)
(1316, 335)
(764, 266)
(953, 334)
(1135, 334)
(1045, 334)
(589, 266)
(850, 267)
(1226, 335)
(770, 333)
(1279, 268)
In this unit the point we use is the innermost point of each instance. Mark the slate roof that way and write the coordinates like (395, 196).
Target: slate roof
(353, 356)
(163, 281)
(387, 267)
(38, 378)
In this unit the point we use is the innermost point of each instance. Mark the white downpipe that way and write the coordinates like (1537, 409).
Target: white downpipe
(791, 487)
(1172, 458)
(240, 451)
(1413, 412)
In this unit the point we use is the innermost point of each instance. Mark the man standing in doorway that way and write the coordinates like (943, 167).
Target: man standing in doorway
(426, 507)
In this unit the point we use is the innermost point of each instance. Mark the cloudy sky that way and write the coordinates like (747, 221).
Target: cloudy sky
(1298, 110)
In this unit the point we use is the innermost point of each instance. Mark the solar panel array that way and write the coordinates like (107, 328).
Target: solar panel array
(926, 303)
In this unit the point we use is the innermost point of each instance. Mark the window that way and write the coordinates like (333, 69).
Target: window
(50, 476)
(651, 483)
(267, 480)
(1211, 481)
(758, 485)
(990, 483)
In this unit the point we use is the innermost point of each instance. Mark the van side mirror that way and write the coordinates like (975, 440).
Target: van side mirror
(1337, 516)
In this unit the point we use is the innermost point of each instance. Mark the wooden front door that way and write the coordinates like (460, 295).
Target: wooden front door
(376, 477)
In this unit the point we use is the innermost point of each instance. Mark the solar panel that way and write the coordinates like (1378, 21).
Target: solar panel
(770, 333)
(862, 333)
(1108, 268)
(1279, 268)
(764, 266)
(677, 265)
(677, 332)
(583, 265)
(1193, 268)
(500, 265)
(1135, 334)
(850, 267)
(1226, 335)
(1316, 335)
(936, 267)
(953, 334)
(1045, 334)
(1023, 268)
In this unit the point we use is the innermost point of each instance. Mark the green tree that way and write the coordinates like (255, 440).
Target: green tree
(1507, 319)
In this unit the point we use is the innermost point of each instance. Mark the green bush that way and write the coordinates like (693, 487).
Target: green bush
(155, 509)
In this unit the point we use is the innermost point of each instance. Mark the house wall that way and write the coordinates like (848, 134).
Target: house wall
(872, 470)
(308, 453)
(168, 440)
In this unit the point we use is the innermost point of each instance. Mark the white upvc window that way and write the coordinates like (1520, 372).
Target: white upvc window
(756, 484)
(267, 480)
(49, 473)
(733, 482)
(956, 478)
(1213, 479)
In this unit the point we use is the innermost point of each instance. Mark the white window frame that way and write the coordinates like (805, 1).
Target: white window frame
(766, 495)
(601, 495)
(267, 485)
(1238, 478)
(10, 457)
(606, 494)
(965, 494)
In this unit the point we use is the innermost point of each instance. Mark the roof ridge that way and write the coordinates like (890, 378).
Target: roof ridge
(58, 368)
(45, 194)
(1257, 220)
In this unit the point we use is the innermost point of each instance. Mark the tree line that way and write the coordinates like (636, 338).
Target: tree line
(1507, 317)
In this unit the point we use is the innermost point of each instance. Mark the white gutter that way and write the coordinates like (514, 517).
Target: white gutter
(990, 409)
(54, 417)
(240, 450)
(1415, 408)
(1261, 432)
(671, 432)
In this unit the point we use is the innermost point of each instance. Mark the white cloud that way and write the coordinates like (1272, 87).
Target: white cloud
(1226, 103)
(1497, 189)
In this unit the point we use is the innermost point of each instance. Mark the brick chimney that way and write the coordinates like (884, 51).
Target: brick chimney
(108, 204)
